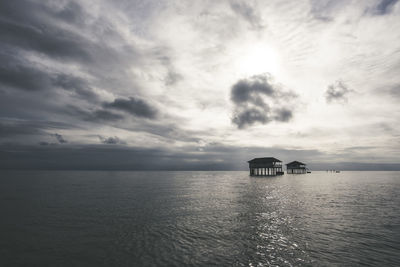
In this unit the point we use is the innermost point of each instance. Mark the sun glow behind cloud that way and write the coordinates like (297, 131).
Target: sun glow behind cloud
(257, 58)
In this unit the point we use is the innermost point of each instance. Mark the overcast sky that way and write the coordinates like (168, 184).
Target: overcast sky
(199, 84)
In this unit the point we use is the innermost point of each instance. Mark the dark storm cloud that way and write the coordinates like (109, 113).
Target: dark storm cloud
(248, 13)
(62, 30)
(337, 92)
(134, 106)
(250, 116)
(22, 127)
(96, 115)
(24, 75)
(101, 115)
(55, 52)
(76, 84)
(60, 138)
(21, 10)
(44, 143)
(26, 25)
(113, 140)
(21, 74)
(251, 106)
(72, 13)
(167, 131)
(248, 90)
(25, 78)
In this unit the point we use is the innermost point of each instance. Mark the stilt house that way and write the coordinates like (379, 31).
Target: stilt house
(296, 167)
(265, 167)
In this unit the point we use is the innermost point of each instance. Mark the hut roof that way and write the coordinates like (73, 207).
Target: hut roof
(264, 160)
(295, 163)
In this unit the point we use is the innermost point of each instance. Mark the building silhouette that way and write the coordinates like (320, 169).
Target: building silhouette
(296, 167)
(265, 167)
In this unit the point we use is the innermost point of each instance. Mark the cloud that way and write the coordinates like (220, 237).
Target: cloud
(21, 74)
(258, 100)
(250, 116)
(248, 13)
(393, 91)
(76, 84)
(96, 114)
(337, 92)
(283, 114)
(134, 106)
(25, 25)
(60, 138)
(102, 115)
(113, 140)
(72, 13)
(18, 128)
(329, 10)
(383, 7)
(66, 32)
(246, 90)
(9, 127)
(44, 143)
(172, 78)
(325, 10)
(60, 62)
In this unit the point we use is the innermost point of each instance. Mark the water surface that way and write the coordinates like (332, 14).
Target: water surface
(88, 218)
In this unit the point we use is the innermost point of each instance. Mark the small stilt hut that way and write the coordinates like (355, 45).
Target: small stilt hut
(265, 167)
(296, 167)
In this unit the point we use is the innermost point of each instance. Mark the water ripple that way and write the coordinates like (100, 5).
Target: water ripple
(199, 219)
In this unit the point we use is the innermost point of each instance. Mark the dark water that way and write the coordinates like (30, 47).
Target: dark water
(199, 218)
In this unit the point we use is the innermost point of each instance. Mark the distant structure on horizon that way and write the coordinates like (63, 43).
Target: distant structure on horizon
(265, 167)
(296, 167)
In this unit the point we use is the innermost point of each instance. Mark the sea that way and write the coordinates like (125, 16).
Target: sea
(201, 218)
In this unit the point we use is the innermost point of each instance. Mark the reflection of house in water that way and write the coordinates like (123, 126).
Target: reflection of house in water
(265, 167)
(296, 167)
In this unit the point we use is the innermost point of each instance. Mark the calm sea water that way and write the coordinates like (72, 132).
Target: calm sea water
(73, 218)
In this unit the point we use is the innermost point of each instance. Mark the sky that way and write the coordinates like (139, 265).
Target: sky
(199, 85)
